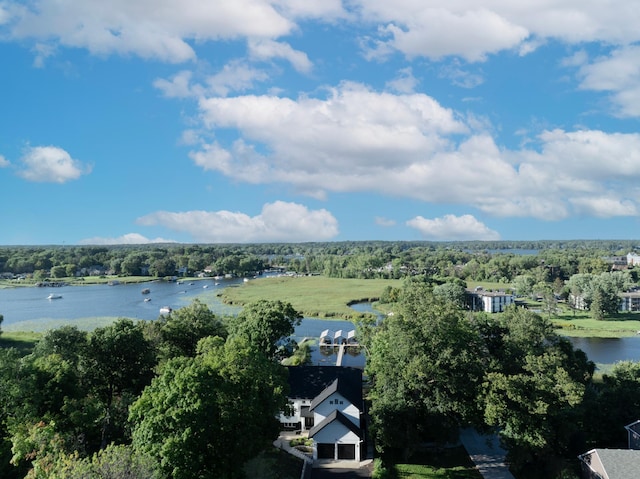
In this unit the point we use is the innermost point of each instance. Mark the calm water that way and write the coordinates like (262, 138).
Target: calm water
(609, 350)
(27, 309)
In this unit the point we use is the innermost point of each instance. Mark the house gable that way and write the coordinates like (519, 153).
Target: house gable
(335, 422)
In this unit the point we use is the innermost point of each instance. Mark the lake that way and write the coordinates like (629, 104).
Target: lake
(27, 309)
(609, 350)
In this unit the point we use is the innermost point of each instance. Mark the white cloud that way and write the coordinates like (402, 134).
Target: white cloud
(4, 162)
(326, 9)
(267, 49)
(51, 164)
(437, 33)
(602, 207)
(460, 76)
(130, 238)
(405, 82)
(235, 76)
(386, 222)
(160, 29)
(408, 145)
(463, 28)
(179, 86)
(619, 74)
(278, 221)
(452, 228)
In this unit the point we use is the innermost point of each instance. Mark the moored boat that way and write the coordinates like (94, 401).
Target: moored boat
(54, 296)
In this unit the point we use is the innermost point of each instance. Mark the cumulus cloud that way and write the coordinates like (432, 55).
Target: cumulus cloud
(356, 139)
(130, 238)
(442, 28)
(617, 73)
(278, 221)
(269, 49)
(160, 29)
(50, 164)
(4, 162)
(453, 228)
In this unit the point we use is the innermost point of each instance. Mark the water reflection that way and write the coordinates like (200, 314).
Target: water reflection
(609, 350)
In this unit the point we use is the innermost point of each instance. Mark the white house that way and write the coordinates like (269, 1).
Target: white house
(337, 432)
(327, 402)
(308, 382)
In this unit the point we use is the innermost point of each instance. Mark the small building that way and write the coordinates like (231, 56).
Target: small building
(630, 301)
(633, 259)
(326, 337)
(488, 301)
(339, 337)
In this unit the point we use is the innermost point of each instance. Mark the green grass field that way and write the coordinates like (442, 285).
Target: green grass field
(22, 341)
(313, 296)
(453, 463)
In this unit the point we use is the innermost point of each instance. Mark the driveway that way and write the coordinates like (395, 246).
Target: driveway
(341, 472)
(486, 453)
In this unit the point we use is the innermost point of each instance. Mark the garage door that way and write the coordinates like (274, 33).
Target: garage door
(347, 451)
(325, 451)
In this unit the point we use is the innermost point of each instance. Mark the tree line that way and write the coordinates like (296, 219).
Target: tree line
(469, 261)
(436, 368)
(188, 395)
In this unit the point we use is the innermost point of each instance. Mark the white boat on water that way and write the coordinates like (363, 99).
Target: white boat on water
(165, 310)
(54, 296)
(146, 300)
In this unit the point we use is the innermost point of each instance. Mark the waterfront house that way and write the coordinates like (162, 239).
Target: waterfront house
(327, 402)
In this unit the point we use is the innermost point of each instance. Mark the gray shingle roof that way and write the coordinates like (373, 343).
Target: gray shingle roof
(306, 382)
(620, 463)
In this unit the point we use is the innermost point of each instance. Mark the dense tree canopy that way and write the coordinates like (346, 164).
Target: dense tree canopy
(427, 363)
(205, 416)
(264, 323)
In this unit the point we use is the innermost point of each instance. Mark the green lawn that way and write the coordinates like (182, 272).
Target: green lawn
(313, 296)
(22, 341)
(452, 463)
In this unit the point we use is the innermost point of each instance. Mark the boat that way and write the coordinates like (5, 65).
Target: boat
(146, 300)
(165, 310)
(145, 291)
(54, 296)
(205, 286)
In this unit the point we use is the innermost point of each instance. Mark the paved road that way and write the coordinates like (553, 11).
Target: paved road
(486, 453)
(341, 473)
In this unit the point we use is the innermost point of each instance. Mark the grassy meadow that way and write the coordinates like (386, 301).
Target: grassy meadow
(313, 296)
(21, 340)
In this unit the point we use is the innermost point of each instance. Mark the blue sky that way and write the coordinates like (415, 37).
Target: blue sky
(141, 121)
